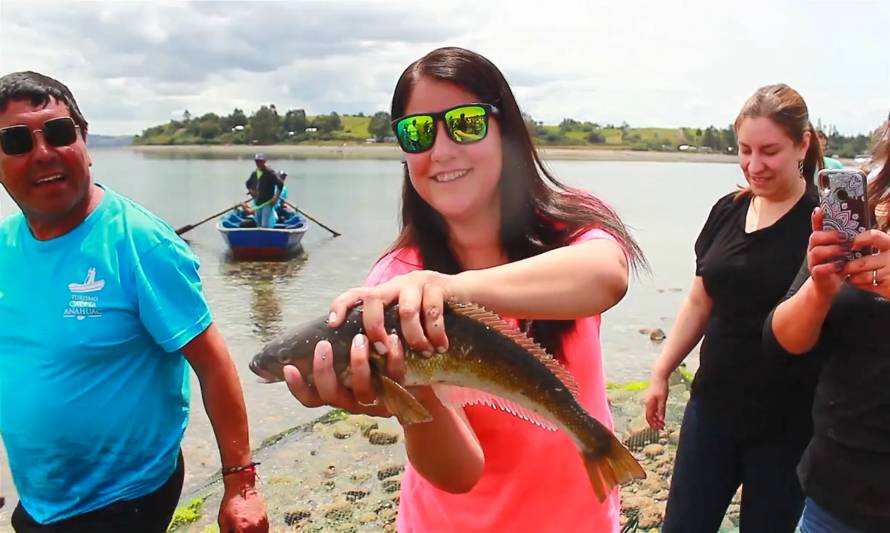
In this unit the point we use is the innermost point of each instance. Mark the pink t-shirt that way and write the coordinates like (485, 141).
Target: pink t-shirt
(533, 479)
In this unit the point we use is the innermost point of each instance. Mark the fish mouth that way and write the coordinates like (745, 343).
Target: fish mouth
(263, 375)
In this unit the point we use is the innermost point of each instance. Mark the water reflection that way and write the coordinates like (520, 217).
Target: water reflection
(266, 281)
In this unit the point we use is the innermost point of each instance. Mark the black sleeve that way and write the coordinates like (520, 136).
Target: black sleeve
(706, 236)
(771, 346)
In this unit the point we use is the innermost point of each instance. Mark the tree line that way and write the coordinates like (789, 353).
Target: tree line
(267, 126)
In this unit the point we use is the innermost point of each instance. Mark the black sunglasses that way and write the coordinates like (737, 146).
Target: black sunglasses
(465, 124)
(19, 140)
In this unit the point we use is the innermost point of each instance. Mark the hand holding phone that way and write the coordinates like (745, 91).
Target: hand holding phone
(843, 197)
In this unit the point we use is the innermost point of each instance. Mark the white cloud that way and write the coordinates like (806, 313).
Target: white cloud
(136, 64)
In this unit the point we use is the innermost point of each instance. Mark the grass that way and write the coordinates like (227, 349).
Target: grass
(355, 126)
(631, 386)
(187, 514)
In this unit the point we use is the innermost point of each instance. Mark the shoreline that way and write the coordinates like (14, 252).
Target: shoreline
(342, 472)
(392, 152)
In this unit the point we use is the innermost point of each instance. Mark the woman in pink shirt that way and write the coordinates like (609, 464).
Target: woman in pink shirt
(484, 221)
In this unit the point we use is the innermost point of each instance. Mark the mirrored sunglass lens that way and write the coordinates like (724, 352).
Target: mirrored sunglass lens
(16, 140)
(467, 124)
(59, 131)
(416, 133)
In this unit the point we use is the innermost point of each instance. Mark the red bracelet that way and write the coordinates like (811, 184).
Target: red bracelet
(250, 467)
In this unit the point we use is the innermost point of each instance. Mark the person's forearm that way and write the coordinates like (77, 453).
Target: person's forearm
(445, 450)
(688, 329)
(224, 403)
(223, 399)
(570, 282)
(798, 320)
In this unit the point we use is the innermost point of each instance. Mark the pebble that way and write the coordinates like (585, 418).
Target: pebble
(392, 485)
(293, 517)
(390, 471)
(653, 450)
(366, 518)
(342, 430)
(382, 437)
(339, 510)
(355, 495)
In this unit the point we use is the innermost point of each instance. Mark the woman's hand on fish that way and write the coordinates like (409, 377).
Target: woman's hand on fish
(823, 248)
(327, 388)
(871, 272)
(421, 296)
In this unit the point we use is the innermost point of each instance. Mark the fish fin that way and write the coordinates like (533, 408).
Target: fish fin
(401, 403)
(615, 467)
(455, 396)
(493, 321)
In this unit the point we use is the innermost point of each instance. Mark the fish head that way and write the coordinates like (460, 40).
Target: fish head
(296, 347)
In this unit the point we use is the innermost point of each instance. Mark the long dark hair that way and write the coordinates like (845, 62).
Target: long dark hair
(787, 109)
(879, 188)
(536, 216)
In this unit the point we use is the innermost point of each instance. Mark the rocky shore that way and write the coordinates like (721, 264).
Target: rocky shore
(342, 472)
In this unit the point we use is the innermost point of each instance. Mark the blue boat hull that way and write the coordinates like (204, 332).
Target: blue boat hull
(279, 242)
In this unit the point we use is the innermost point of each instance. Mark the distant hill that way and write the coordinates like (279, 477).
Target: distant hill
(99, 141)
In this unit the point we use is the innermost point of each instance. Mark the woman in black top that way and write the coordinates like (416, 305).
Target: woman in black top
(746, 422)
(841, 313)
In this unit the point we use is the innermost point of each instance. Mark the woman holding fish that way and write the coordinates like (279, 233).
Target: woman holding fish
(839, 311)
(484, 222)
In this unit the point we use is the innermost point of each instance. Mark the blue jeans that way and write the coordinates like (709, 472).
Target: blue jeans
(817, 520)
(711, 464)
(265, 217)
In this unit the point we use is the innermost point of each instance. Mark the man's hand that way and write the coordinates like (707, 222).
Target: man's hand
(242, 510)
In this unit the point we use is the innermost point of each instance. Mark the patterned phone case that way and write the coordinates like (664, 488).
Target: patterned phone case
(844, 201)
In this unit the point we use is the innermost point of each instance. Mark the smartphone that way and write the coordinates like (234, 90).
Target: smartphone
(843, 197)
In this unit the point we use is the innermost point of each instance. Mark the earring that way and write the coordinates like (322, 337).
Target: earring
(800, 167)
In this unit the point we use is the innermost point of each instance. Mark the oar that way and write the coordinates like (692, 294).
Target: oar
(310, 217)
(189, 227)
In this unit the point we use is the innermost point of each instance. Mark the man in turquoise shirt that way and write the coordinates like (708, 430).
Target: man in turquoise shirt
(101, 307)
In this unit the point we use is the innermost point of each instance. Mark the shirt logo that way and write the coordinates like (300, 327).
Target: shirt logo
(83, 305)
(89, 285)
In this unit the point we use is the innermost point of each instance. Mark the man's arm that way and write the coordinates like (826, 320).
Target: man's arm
(242, 508)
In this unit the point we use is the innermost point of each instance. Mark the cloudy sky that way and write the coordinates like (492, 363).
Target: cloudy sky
(134, 64)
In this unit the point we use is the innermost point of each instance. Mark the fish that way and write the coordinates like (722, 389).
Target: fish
(488, 362)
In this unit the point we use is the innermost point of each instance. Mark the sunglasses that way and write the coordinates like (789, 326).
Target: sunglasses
(19, 140)
(465, 124)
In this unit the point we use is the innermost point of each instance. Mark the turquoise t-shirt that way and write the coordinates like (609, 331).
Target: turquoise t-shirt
(831, 163)
(281, 197)
(94, 392)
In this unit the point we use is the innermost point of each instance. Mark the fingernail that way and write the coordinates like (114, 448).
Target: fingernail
(427, 353)
(393, 341)
(359, 341)
(381, 348)
(332, 317)
(441, 349)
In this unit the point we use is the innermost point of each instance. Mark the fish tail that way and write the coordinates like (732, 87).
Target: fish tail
(613, 468)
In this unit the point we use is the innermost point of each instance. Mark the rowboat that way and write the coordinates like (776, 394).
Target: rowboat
(246, 241)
